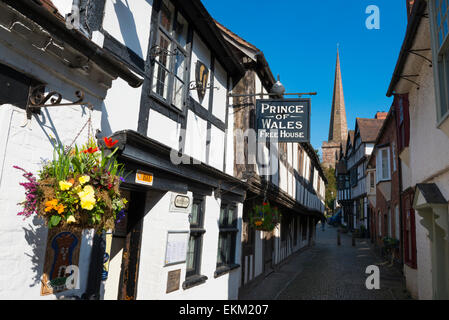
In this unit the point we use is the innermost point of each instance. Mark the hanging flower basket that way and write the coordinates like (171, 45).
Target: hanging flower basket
(79, 189)
(265, 217)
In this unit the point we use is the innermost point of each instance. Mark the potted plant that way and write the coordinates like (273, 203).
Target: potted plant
(78, 190)
(265, 217)
(390, 246)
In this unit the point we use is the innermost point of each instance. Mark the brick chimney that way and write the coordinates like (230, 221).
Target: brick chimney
(381, 115)
(409, 7)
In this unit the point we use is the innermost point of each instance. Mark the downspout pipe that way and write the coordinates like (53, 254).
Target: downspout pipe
(33, 10)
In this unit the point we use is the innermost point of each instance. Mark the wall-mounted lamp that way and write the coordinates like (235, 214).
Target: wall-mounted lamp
(278, 88)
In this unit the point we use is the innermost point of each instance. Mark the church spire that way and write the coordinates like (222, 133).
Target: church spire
(338, 128)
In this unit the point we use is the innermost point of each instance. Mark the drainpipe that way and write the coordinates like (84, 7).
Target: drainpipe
(401, 226)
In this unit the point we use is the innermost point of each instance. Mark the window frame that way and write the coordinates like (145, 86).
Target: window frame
(227, 229)
(379, 165)
(197, 231)
(439, 53)
(174, 46)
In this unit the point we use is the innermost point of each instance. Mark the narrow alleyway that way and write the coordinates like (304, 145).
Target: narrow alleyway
(330, 272)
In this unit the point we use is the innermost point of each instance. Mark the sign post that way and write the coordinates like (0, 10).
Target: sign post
(287, 120)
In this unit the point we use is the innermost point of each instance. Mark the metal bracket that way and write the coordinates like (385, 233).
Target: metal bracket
(405, 77)
(300, 94)
(156, 50)
(38, 100)
(415, 52)
(193, 85)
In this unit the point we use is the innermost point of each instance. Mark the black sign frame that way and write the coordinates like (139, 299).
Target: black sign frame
(305, 118)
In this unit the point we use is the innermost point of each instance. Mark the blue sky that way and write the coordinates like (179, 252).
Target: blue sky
(299, 40)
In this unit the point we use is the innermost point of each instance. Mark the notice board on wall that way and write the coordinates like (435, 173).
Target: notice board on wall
(176, 247)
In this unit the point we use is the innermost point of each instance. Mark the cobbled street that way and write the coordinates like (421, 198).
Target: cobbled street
(331, 272)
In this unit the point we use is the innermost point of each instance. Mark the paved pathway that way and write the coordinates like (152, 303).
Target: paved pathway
(330, 272)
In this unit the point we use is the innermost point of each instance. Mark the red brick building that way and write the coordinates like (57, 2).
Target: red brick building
(389, 207)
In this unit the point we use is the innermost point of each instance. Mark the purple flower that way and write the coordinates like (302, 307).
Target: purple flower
(31, 193)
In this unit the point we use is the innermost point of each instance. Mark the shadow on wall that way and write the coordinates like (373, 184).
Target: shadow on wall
(128, 26)
(36, 237)
(48, 127)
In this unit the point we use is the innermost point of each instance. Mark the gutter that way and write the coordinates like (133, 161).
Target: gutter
(34, 11)
(412, 28)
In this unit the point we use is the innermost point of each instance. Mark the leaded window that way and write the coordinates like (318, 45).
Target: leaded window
(196, 218)
(439, 19)
(170, 64)
(227, 236)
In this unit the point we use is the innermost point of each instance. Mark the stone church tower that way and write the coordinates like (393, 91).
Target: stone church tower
(338, 128)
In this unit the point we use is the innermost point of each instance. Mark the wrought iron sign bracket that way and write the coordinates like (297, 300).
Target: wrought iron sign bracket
(193, 85)
(156, 50)
(38, 99)
(300, 94)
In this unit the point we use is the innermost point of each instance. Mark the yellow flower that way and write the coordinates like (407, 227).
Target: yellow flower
(65, 185)
(71, 219)
(87, 197)
(84, 179)
(88, 203)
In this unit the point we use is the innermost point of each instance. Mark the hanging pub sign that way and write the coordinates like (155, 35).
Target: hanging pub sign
(287, 120)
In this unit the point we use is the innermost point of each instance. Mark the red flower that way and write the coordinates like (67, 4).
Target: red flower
(90, 150)
(109, 143)
(265, 204)
(109, 186)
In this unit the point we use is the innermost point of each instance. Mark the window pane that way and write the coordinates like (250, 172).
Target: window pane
(178, 91)
(160, 81)
(180, 65)
(164, 57)
(181, 30)
(228, 248)
(384, 164)
(194, 216)
(166, 15)
(220, 255)
(190, 261)
(223, 216)
(444, 85)
(231, 218)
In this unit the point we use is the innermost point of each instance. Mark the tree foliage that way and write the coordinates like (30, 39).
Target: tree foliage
(331, 188)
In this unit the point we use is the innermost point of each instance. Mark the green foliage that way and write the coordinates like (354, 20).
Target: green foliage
(265, 217)
(80, 187)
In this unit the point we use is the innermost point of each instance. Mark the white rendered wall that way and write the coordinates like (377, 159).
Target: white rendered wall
(220, 82)
(202, 53)
(217, 144)
(428, 156)
(152, 273)
(120, 110)
(129, 23)
(163, 129)
(64, 6)
(23, 243)
(196, 137)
